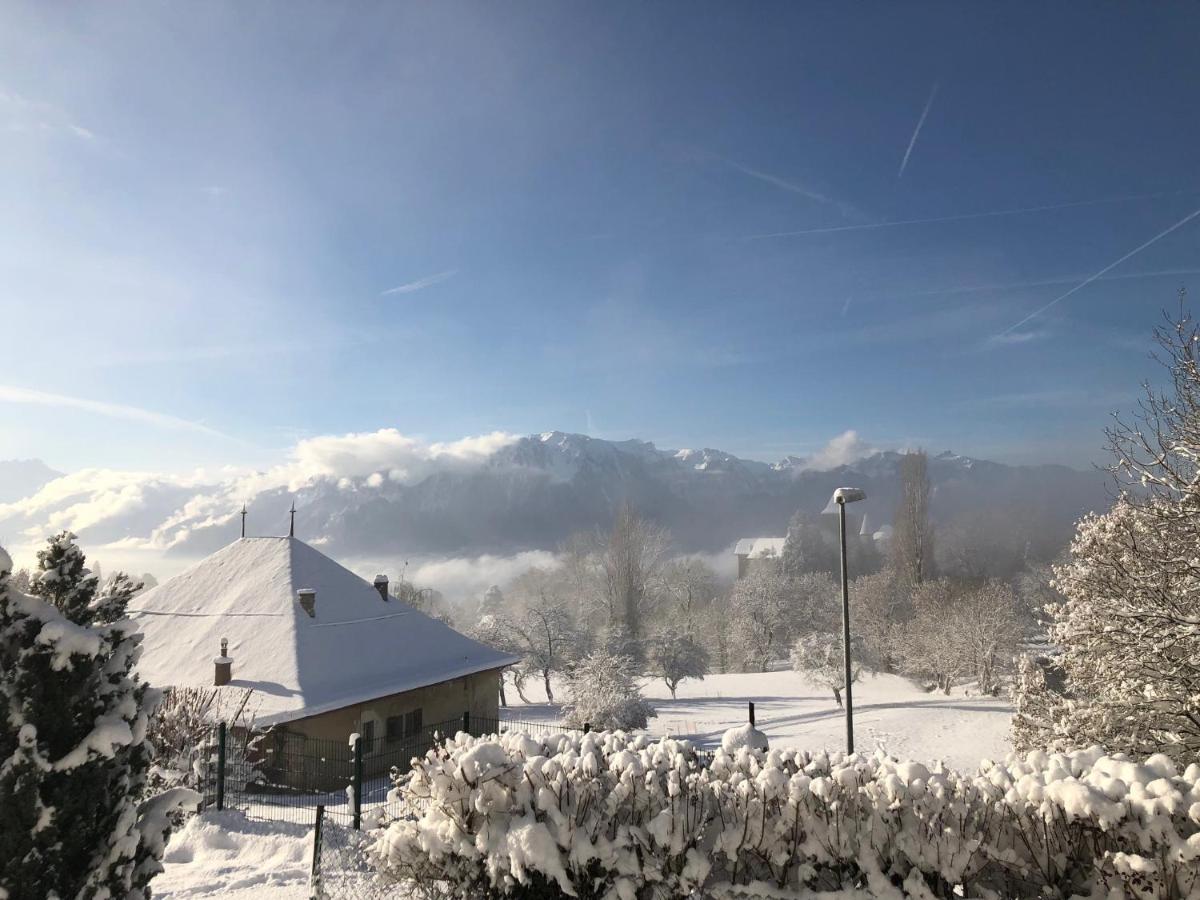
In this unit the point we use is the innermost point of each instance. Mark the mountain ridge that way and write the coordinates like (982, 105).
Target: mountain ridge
(532, 492)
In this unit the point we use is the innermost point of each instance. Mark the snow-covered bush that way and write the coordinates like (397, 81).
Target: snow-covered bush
(73, 751)
(604, 694)
(182, 731)
(605, 815)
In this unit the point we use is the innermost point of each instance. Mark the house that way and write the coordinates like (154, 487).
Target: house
(752, 552)
(326, 653)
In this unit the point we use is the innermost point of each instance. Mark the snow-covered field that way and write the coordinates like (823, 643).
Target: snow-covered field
(889, 712)
(227, 855)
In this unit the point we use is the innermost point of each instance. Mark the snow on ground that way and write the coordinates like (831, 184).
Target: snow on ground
(889, 712)
(227, 855)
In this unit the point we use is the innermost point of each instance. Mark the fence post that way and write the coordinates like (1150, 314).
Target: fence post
(221, 766)
(751, 713)
(587, 726)
(467, 722)
(358, 781)
(314, 881)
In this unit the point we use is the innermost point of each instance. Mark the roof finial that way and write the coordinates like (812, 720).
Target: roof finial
(292, 526)
(243, 520)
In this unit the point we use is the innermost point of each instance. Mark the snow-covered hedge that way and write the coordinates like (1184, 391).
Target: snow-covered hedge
(605, 815)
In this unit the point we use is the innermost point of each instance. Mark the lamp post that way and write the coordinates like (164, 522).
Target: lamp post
(841, 497)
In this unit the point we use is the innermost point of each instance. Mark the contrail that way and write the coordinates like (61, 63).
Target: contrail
(958, 217)
(420, 284)
(912, 142)
(1134, 252)
(846, 305)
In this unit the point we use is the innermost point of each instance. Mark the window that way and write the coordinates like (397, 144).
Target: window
(412, 723)
(406, 726)
(368, 735)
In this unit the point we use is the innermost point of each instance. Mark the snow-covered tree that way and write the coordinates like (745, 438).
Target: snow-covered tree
(539, 625)
(20, 580)
(761, 618)
(929, 647)
(879, 609)
(1128, 624)
(494, 630)
(73, 751)
(819, 656)
(604, 694)
(988, 624)
(675, 654)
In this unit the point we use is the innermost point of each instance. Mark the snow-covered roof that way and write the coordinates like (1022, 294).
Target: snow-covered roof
(755, 548)
(355, 648)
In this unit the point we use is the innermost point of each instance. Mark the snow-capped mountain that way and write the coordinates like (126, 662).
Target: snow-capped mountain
(532, 492)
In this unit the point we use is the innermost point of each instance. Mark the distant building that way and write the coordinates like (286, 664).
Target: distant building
(326, 653)
(754, 552)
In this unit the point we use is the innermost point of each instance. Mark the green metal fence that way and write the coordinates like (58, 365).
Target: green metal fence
(284, 776)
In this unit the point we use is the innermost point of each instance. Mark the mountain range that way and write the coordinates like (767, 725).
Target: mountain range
(532, 492)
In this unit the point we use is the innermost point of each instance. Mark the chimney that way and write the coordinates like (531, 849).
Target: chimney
(381, 585)
(308, 601)
(224, 665)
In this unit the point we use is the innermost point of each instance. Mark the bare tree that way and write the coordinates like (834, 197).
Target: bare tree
(688, 587)
(541, 626)
(912, 536)
(635, 551)
(614, 573)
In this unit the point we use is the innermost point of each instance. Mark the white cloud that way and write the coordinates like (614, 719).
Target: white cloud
(462, 577)
(150, 513)
(405, 459)
(842, 450)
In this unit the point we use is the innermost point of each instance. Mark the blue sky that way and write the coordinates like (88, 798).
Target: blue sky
(230, 227)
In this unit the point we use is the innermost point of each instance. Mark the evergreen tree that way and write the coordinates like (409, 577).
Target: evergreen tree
(808, 548)
(73, 755)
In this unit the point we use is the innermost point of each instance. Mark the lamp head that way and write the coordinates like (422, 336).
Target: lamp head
(842, 496)
(849, 495)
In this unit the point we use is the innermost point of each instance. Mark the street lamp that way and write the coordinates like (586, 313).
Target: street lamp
(841, 497)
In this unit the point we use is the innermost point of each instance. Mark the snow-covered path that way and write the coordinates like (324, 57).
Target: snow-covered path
(227, 855)
(889, 711)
